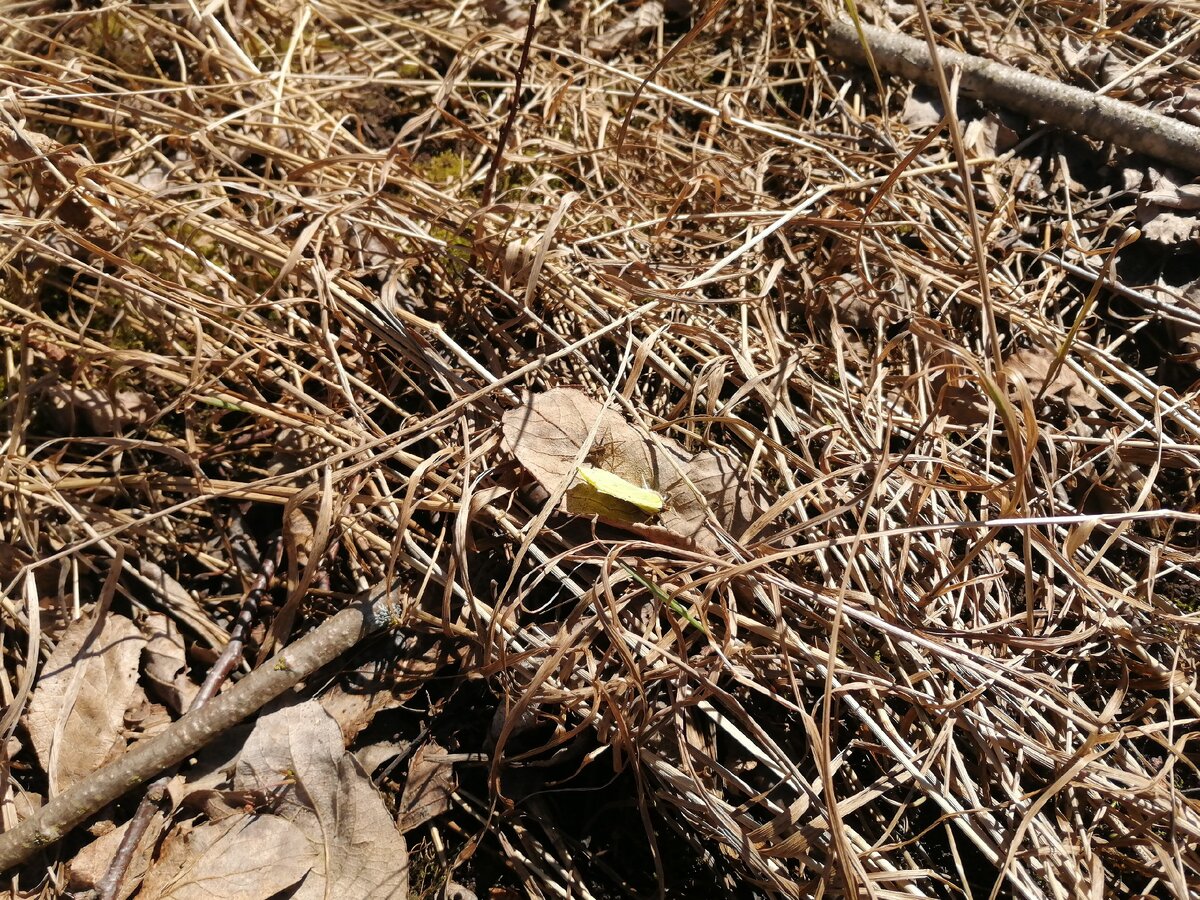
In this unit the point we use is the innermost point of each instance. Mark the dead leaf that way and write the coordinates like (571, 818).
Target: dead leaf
(632, 28)
(91, 863)
(1034, 365)
(427, 791)
(146, 719)
(220, 805)
(296, 757)
(989, 135)
(1184, 103)
(512, 13)
(922, 109)
(1186, 334)
(860, 305)
(1166, 227)
(1166, 204)
(98, 410)
(372, 756)
(183, 605)
(1084, 58)
(166, 662)
(548, 431)
(246, 857)
(1167, 188)
(354, 710)
(77, 712)
(298, 531)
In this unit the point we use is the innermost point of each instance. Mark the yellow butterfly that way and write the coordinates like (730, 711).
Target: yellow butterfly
(611, 485)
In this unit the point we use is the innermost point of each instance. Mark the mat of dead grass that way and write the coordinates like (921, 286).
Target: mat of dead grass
(260, 277)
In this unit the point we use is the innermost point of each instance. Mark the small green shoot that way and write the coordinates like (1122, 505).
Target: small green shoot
(659, 594)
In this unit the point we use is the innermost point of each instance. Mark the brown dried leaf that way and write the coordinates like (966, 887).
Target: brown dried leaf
(1034, 365)
(246, 857)
(860, 305)
(297, 755)
(298, 531)
(989, 135)
(427, 791)
(98, 410)
(183, 605)
(372, 756)
(1168, 189)
(1186, 335)
(1166, 205)
(547, 433)
(166, 662)
(1166, 227)
(354, 710)
(922, 109)
(1084, 58)
(631, 29)
(92, 862)
(77, 711)
(512, 13)
(145, 719)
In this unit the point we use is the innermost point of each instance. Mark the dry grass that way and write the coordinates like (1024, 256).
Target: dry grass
(969, 613)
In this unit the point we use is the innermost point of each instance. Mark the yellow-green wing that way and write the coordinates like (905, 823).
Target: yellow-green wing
(615, 486)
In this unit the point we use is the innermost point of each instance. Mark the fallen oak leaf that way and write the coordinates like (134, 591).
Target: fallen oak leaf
(89, 865)
(428, 788)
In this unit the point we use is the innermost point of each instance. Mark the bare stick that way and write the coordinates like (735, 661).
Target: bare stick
(110, 884)
(489, 183)
(372, 611)
(1077, 110)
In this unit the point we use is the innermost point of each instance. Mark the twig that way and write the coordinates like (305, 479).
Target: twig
(1083, 112)
(489, 182)
(373, 611)
(109, 886)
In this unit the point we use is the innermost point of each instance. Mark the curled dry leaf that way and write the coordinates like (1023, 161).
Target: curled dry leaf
(372, 756)
(184, 607)
(296, 757)
(922, 109)
(512, 13)
(547, 433)
(354, 710)
(1187, 335)
(1166, 205)
(76, 716)
(166, 662)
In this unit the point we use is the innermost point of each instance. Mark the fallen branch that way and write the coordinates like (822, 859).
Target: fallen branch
(1052, 102)
(371, 612)
(109, 886)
